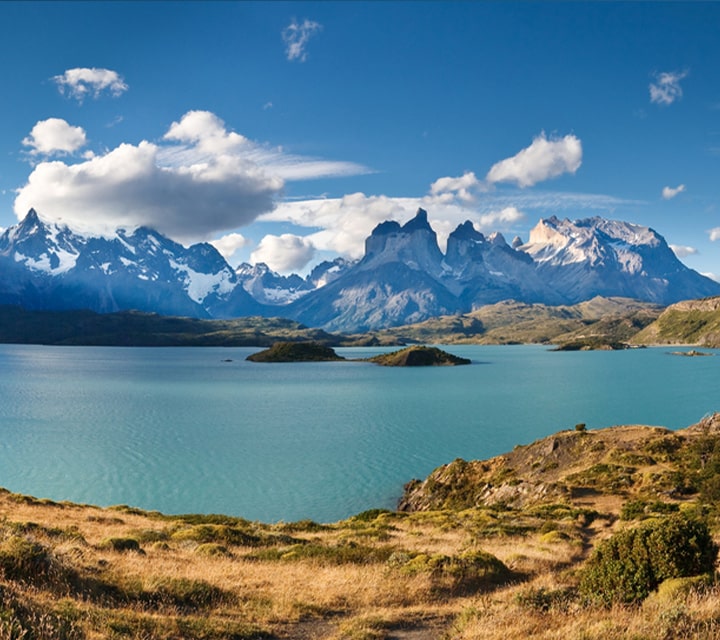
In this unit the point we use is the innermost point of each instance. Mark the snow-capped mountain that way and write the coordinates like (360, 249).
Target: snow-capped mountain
(403, 277)
(48, 266)
(611, 258)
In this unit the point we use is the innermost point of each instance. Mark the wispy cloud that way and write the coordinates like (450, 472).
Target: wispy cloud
(544, 159)
(683, 251)
(666, 88)
(296, 36)
(82, 82)
(670, 192)
(714, 234)
(201, 136)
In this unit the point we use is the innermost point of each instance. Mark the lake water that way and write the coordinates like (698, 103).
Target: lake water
(186, 430)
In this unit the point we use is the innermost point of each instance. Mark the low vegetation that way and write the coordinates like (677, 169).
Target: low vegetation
(599, 321)
(418, 356)
(693, 322)
(595, 534)
(296, 352)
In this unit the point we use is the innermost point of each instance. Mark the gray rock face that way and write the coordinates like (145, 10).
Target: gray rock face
(403, 277)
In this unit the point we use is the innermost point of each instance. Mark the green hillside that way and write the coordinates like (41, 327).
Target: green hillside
(693, 322)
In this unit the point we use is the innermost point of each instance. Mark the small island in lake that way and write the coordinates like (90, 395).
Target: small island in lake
(418, 356)
(414, 356)
(296, 352)
(693, 353)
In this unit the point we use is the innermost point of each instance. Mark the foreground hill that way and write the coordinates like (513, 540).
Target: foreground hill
(692, 322)
(493, 550)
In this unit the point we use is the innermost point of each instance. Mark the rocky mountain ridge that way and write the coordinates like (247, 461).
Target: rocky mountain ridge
(403, 277)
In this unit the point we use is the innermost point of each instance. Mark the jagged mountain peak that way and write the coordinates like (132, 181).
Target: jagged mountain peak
(386, 228)
(418, 223)
(403, 276)
(467, 231)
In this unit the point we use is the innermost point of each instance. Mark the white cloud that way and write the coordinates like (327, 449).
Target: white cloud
(229, 244)
(206, 132)
(82, 82)
(200, 136)
(200, 181)
(53, 136)
(285, 253)
(670, 192)
(682, 251)
(346, 222)
(128, 186)
(666, 89)
(712, 276)
(503, 218)
(296, 36)
(543, 159)
(461, 187)
(714, 234)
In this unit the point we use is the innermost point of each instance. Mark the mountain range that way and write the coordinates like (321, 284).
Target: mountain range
(403, 277)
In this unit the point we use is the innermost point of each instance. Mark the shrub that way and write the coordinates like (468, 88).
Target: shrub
(459, 574)
(121, 545)
(580, 426)
(343, 553)
(543, 600)
(27, 561)
(185, 594)
(211, 549)
(629, 565)
(641, 509)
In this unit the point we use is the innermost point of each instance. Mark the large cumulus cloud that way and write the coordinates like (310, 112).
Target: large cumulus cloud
(199, 180)
(129, 186)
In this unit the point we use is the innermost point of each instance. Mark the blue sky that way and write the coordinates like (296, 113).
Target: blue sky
(284, 132)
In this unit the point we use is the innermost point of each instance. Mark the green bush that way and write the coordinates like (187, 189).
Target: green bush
(461, 574)
(25, 560)
(185, 594)
(121, 545)
(348, 552)
(629, 565)
(543, 600)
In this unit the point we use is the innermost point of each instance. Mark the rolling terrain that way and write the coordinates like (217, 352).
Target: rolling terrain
(495, 549)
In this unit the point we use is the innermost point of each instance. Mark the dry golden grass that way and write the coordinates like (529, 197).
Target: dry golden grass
(74, 572)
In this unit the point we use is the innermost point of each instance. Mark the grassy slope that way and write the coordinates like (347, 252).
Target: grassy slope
(694, 322)
(616, 319)
(73, 571)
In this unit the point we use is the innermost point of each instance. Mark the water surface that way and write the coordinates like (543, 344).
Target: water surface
(185, 430)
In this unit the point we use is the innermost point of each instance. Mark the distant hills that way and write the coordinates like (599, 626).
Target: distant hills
(403, 278)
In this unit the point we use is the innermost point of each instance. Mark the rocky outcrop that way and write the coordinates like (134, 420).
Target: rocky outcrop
(629, 461)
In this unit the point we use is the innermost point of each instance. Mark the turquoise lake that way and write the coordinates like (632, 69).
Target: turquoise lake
(185, 430)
